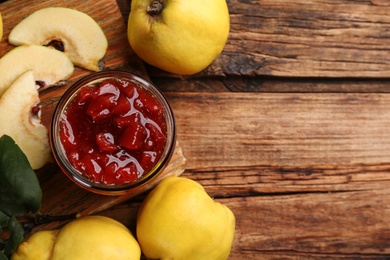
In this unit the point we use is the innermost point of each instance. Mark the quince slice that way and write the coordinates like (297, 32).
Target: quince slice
(19, 122)
(49, 66)
(68, 30)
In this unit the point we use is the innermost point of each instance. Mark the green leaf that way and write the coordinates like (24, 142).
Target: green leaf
(3, 256)
(20, 191)
(17, 235)
(4, 219)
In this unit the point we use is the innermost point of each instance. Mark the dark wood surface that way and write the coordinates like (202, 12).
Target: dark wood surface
(291, 129)
(289, 126)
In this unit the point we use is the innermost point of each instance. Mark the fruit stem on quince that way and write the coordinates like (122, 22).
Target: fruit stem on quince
(155, 8)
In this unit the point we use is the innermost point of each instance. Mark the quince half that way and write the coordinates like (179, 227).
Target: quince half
(19, 122)
(91, 237)
(179, 220)
(49, 66)
(75, 33)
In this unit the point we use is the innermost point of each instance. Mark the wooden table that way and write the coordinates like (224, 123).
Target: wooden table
(289, 127)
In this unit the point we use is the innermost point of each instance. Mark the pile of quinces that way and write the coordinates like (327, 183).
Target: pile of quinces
(177, 220)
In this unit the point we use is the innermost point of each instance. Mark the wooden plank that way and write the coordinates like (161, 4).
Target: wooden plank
(303, 225)
(342, 225)
(304, 38)
(273, 85)
(286, 129)
(305, 174)
(308, 38)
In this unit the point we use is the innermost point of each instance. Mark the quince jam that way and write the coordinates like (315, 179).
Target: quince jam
(113, 131)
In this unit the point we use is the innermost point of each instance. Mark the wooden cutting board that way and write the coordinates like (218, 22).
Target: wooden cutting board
(60, 195)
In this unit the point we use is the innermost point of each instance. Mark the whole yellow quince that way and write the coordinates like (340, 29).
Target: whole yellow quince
(179, 36)
(179, 220)
(92, 237)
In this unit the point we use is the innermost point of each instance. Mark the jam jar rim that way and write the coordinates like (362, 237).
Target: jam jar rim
(76, 176)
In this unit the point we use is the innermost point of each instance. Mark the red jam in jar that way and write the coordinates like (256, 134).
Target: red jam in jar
(113, 131)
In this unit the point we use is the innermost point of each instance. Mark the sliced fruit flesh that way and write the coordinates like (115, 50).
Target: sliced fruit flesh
(49, 66)
(83, 40)
(21, 120)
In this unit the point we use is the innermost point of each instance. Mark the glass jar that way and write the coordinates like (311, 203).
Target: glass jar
(101, 167)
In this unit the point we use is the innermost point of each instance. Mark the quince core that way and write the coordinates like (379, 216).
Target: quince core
(75, 33)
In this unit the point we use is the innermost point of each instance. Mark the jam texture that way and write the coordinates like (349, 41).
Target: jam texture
(113, 132)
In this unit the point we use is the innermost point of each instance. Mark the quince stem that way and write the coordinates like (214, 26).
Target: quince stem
(155, 8)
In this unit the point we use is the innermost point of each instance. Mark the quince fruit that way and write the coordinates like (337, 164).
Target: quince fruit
(37, 247)
(91, 237)
(68, 30)
(179, 36)
(179, 220)
(16, 110)
(49, 66)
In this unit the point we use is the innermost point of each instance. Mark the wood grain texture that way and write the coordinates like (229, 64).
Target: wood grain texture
(295, 46)
(306, 175)
(269, 84)
(313, 226)
(308, 38)
(249, 129)
(288, 127)
(302, 225)
(304, 38)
